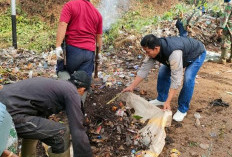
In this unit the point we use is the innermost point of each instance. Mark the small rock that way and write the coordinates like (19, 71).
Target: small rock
(193, 154)
(197, 123)
(121, 148)
(204, 146)
(197, 115)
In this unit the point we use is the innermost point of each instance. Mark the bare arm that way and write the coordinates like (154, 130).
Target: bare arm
(141, 74)
(7, 153)
(130, 88)
(61, 33)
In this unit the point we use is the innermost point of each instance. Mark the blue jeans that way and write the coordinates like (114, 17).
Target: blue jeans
(180, 27)
(164, 81)
(79, 59)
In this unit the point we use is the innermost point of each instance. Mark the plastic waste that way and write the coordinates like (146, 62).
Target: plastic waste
(30, 74)
(153, 134)
(133, 151)
(120, 112)
(174, 153)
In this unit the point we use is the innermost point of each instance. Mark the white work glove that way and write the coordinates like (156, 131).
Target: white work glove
(59, 53)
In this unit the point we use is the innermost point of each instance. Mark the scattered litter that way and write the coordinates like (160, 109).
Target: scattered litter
(219, 102)
(213, 134)
(133, 151)
(98, 129)
(174, 153)
(212, 56)
(30, 74)
(229, 93)
(120, 112)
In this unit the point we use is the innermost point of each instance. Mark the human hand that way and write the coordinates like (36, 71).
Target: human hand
(128, 89)
(7, 153)
(59, 53)
(167, 106)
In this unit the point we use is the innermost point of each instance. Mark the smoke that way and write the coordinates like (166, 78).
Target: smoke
(111, 10)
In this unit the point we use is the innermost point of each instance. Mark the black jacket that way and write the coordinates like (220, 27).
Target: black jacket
(43, 97)
(190, 47)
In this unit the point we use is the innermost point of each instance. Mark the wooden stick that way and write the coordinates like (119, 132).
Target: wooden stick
(96, 63)
(114, 98)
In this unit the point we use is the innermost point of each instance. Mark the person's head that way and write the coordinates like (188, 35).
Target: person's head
(151, 45)
(81, 80)
(227, 1)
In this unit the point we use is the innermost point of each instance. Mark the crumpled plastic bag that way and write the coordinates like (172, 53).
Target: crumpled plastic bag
(153, 134)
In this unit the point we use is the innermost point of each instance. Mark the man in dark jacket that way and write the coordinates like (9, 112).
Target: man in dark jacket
(30, 102)
(175, 54)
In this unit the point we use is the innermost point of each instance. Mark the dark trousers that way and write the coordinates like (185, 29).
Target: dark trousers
(180, 27)
(50, 132)
(79, 59)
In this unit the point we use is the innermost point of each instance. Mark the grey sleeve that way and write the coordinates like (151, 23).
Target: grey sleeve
(176, 65)
(148, 63)
(81, 145)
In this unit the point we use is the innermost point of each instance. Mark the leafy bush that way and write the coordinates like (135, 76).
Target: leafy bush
(32, 33)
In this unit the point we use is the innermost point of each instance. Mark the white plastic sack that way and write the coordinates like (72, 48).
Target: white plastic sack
(153, 134)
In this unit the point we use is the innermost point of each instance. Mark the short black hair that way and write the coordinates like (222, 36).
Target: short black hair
(80, 79)
(150, 41)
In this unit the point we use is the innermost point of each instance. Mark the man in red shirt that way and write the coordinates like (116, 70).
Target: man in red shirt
(81, 26)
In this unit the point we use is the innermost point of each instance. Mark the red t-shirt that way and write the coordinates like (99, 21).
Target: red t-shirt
(84, 22)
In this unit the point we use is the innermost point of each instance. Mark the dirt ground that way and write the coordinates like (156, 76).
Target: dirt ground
(211, 139)
(213, 82)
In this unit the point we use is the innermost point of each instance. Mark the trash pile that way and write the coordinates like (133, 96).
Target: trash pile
(112, 129)
(118, 68)
(219, 102)
(128, 126)
(204, 30)
(22, 64)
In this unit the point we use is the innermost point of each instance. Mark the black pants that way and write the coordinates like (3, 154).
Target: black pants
(51, 133)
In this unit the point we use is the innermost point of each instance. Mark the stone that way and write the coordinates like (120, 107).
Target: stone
(204, 146)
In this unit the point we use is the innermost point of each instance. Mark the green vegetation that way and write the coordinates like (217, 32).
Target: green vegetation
(32, 33)
(134, 21)
(192, 144)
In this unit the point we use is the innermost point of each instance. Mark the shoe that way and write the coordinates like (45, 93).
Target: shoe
(29, 148)
(156, 102)
(179, 116)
